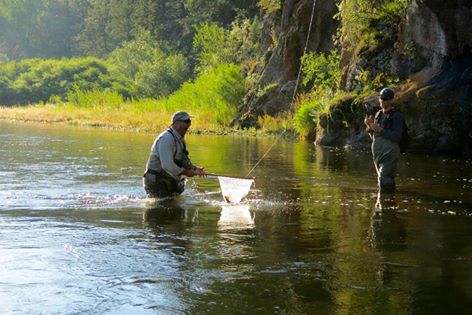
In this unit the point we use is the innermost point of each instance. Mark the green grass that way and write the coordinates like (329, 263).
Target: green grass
(213, 99)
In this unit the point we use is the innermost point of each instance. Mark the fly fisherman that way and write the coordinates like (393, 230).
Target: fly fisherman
(169, 161)
(385, 130)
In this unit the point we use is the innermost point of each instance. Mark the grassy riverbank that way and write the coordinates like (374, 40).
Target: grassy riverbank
(123, 118)
(213, 99)
(130, 118)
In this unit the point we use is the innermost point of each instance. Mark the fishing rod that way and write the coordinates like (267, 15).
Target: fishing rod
(219, 175)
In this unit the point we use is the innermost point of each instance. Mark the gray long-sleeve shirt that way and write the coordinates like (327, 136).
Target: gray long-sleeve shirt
(167, 148)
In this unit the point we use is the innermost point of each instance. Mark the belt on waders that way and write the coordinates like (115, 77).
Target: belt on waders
(153, 172)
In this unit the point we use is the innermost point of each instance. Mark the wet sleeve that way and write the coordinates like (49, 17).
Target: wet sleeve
(395, 133)
(166, 148)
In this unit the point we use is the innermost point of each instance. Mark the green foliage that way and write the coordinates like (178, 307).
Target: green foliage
(3, 58)
(212, 47)
(245, 36)
(58, 28)
(94, 98)
(36, 80)
(323, 74)
(304, 120)
(154, 73)
(107, 24)
(216, 93)
(367, 84)
(369, 23)
(44, 28)
(215, 96)
(270, 6)
(215, 45)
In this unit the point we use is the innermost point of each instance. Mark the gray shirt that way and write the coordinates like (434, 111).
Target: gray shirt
(168, 148)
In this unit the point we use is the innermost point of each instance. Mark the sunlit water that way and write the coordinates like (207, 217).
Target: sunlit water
(77, 234)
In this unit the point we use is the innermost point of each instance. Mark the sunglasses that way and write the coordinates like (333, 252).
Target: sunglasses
(385, 99)
(188, 121)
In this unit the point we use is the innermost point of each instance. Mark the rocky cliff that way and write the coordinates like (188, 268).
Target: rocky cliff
(289, 26)
(430, 54)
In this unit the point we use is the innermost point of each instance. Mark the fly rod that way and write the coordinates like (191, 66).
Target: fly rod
(219, 175)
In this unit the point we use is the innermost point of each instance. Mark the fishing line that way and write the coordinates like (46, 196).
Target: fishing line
(294, 90)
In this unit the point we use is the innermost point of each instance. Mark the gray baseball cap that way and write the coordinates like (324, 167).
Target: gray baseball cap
(180, 116)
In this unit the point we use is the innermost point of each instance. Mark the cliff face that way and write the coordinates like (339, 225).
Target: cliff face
(290, 28)
(437, 99)
(432, 56)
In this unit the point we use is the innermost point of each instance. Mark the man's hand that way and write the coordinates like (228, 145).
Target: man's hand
(199, 171)
(376, 127)
(191, 172)
(369, 121)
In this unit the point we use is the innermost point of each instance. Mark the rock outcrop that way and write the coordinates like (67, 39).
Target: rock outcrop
(289, 27)
(431, 55)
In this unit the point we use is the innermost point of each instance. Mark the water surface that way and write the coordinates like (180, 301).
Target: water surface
(78, 235)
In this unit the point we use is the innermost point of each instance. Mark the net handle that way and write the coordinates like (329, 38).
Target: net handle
(218, 175)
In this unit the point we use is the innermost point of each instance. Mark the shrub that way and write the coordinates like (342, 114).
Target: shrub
(305, 118)
(216, 94)
(215, 45)
(212, 46)
(364, 20)
(154, 73)
(322, 73)
(36, 80)
(270, 6)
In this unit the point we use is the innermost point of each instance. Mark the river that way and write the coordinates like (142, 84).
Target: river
(78, 235)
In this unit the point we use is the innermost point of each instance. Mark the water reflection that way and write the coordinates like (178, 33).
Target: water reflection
(388, 224)
(386, 201)
(159, 212)
(235, 217)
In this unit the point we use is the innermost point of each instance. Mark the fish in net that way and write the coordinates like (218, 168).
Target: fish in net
(234, 189)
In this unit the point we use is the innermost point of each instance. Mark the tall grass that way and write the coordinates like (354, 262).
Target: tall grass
(215, 95)
(213, 99)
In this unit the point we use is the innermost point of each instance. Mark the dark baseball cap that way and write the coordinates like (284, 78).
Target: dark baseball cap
(386, 94)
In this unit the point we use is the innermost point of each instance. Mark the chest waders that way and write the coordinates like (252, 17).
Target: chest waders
(162, 184)
(385, 154)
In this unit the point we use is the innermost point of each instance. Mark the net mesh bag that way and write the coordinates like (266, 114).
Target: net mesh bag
(234, 189)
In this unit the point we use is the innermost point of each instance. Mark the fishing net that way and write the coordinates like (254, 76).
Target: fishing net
(234, 189)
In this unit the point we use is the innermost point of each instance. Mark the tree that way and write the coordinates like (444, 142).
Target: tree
(154, 73)
(43, 28)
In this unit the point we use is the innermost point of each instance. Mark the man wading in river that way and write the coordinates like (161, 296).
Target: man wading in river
(169, 162)
(385, 130)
